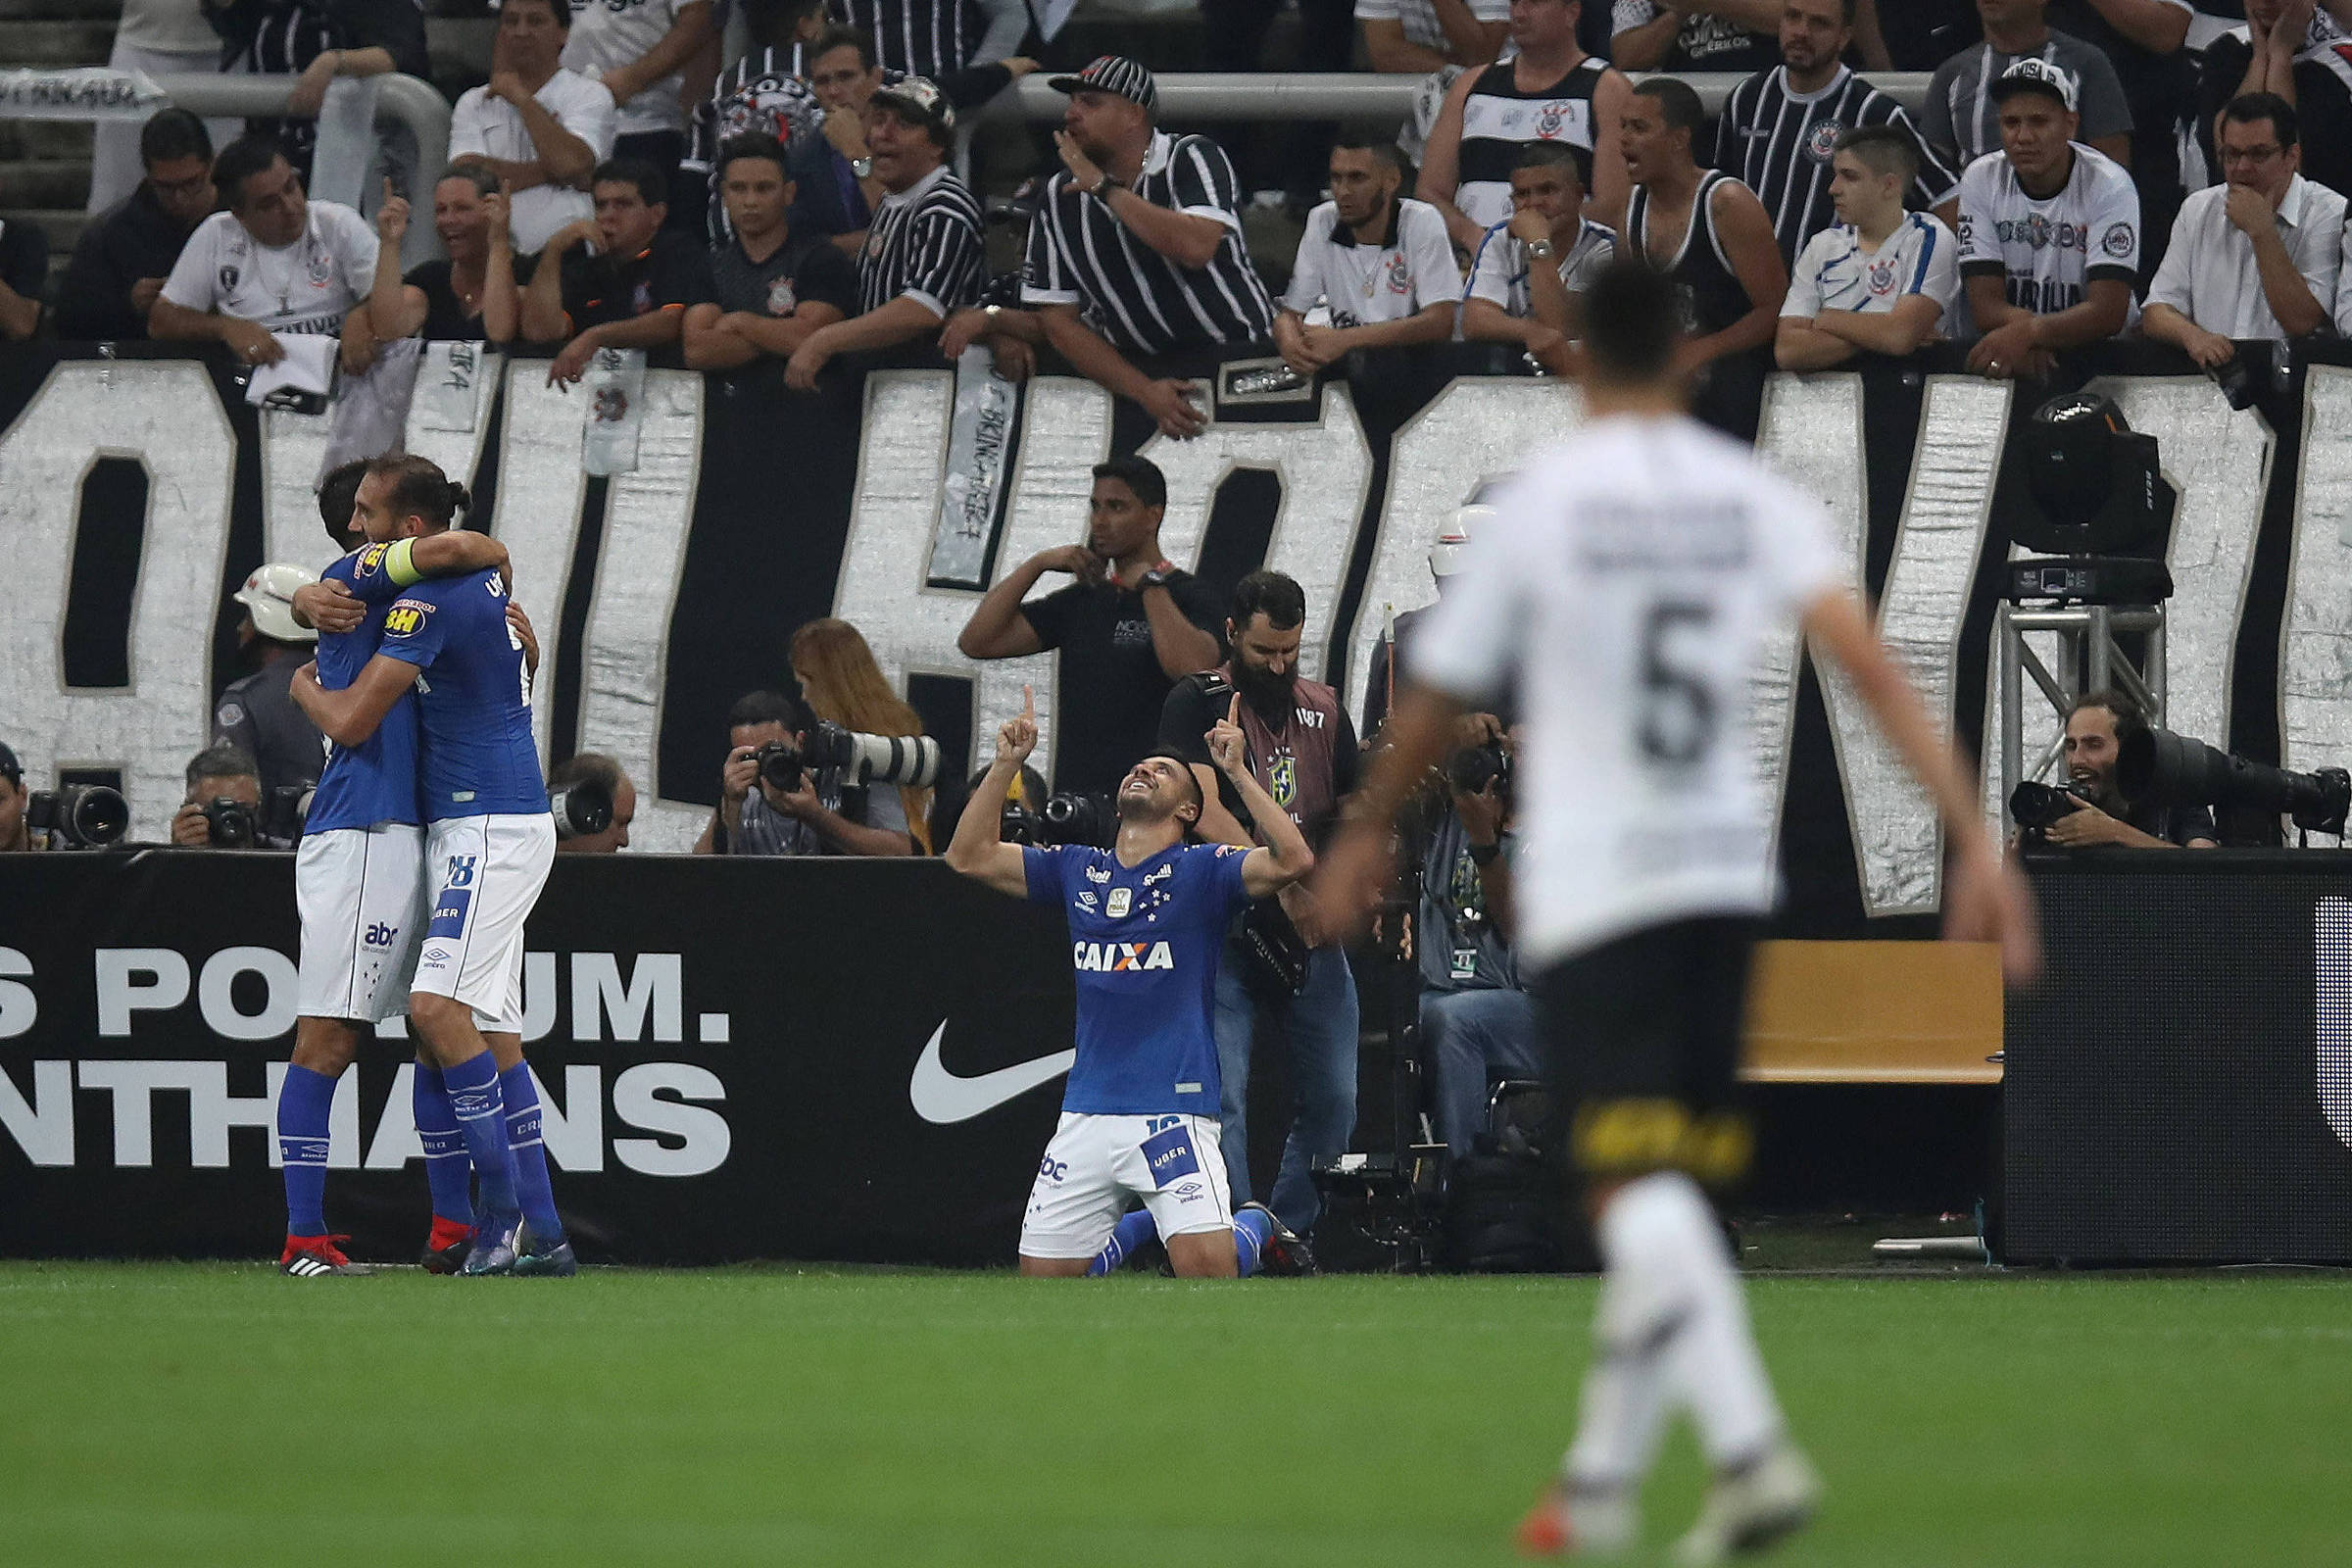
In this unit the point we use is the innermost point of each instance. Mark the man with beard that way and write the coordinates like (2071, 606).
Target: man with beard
(1302, 750)
(1129, 628)
(1378, 268)
(2097, 727)
(1145, 917)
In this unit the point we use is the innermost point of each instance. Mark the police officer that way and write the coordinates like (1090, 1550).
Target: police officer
(256, 715)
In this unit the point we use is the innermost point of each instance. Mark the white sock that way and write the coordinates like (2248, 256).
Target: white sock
(1713, 1363)
(1626, 1388)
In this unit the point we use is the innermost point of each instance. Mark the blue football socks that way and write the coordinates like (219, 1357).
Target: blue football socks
(531, 1186)
(303, 1107)
(1131, 1232)
(1251, 1228)
(481, 1112)
(446, 1171)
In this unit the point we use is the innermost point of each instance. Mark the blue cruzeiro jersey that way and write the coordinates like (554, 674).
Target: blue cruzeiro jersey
(1144, 943)
(472, 695)
(374, 781)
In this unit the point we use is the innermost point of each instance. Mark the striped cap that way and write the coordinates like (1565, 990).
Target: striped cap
(1115, 75)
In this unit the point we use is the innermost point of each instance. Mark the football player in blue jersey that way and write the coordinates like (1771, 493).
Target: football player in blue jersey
(1146, 919)
(359, 887)
(489, 842)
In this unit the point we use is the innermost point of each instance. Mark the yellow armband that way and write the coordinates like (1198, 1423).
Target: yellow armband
(400, 563)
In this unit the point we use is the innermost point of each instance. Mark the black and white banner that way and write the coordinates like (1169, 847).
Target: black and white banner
(738, 1060)
(136, 491)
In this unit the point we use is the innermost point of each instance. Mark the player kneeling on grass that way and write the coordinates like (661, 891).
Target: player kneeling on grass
(1146, 919)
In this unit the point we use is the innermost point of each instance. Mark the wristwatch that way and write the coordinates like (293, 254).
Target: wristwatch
(1156, 577)
(1541, 249)
(1104, 185)
(863, 168)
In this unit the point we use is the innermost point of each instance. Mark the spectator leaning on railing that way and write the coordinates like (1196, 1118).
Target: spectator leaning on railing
(1884, 279)
(273, 263)
(1373, 270)
(1135, 246)
(632, 293)
(465, 296)
(770, 286)
(1528, 282)
(2257, 256)
(541, 128)
(923, 255)
(123, 257)
(2029, 291)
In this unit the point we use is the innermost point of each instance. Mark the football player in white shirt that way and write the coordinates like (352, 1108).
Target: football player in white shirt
(273, 263)
(1380, 269)
(1882, 280)
(1528, 282)
(1623, 591)
(2049, 231)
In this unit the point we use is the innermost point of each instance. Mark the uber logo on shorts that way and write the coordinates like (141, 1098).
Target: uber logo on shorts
(1170, 1155)
(448, 915)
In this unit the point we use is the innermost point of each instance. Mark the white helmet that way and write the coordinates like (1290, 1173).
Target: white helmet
(1445, 556)
(269, 596)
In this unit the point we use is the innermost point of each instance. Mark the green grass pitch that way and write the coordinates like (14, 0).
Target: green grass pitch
(202, 1414)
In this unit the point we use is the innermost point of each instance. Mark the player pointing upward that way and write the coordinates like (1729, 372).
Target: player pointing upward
(1624, 589)
(1146, 922)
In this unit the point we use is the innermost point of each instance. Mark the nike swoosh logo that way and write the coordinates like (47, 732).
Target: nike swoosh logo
(942, 1096)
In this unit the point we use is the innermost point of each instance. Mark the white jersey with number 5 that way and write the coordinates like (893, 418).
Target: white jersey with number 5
(1622, 594)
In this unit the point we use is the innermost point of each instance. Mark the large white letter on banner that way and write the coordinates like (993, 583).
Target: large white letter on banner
(166, 416)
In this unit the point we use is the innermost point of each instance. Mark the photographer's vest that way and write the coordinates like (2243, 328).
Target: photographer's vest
(1294, 764)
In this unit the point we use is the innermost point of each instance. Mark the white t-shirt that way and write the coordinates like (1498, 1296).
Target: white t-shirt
(1364, 283)
(1420, 17)
(607, 34)
(308, 286)
(1500, 274)
(1833, 272)
(2048, 251)
(494, 129)
(2209, 273)
(167, 26)
(1623, 590)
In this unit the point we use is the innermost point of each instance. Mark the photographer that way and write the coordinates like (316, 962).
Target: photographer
(2097, 727)
(771, 805)
(1478, 1024)
(842, 685)
(594, 767)
(1302, 751)
(16, 837)
(223, 805)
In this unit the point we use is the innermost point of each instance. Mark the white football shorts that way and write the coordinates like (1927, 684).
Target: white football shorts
(485, 874)
(1171, 1162)
(360, 894)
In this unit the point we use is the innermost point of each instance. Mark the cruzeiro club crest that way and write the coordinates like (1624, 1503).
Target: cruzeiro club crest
(1282, 780)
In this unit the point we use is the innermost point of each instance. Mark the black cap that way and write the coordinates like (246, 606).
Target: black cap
(1115, 75)
(918, 103)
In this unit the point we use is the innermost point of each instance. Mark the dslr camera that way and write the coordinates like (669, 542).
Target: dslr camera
(230, 824)
(1472, 768)
(910, 761)
(78, 816)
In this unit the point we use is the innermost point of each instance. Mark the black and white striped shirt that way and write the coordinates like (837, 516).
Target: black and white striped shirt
(924, 244)
(1778, 144)
(927, 39)
(1143, 302)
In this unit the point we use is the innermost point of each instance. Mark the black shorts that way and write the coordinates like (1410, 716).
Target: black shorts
(1644, 1035)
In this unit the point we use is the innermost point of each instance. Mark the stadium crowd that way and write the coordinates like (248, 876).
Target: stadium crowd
(2074, 174)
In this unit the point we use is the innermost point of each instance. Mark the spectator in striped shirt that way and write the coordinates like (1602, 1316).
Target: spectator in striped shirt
(1527, 285)
(1882, 281)
(1142, 230)
(923, 255)
(935, 39)
(1780, 128)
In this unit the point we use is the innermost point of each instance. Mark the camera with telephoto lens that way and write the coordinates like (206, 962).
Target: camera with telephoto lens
(2034, 807)
(230, 824)
(581, 810)
(910, 761)
(1070, 818)
(81, 816)
(2167, 769)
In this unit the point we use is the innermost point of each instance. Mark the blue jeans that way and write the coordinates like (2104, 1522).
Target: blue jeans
(1475, 1038)
(1321, 1024)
